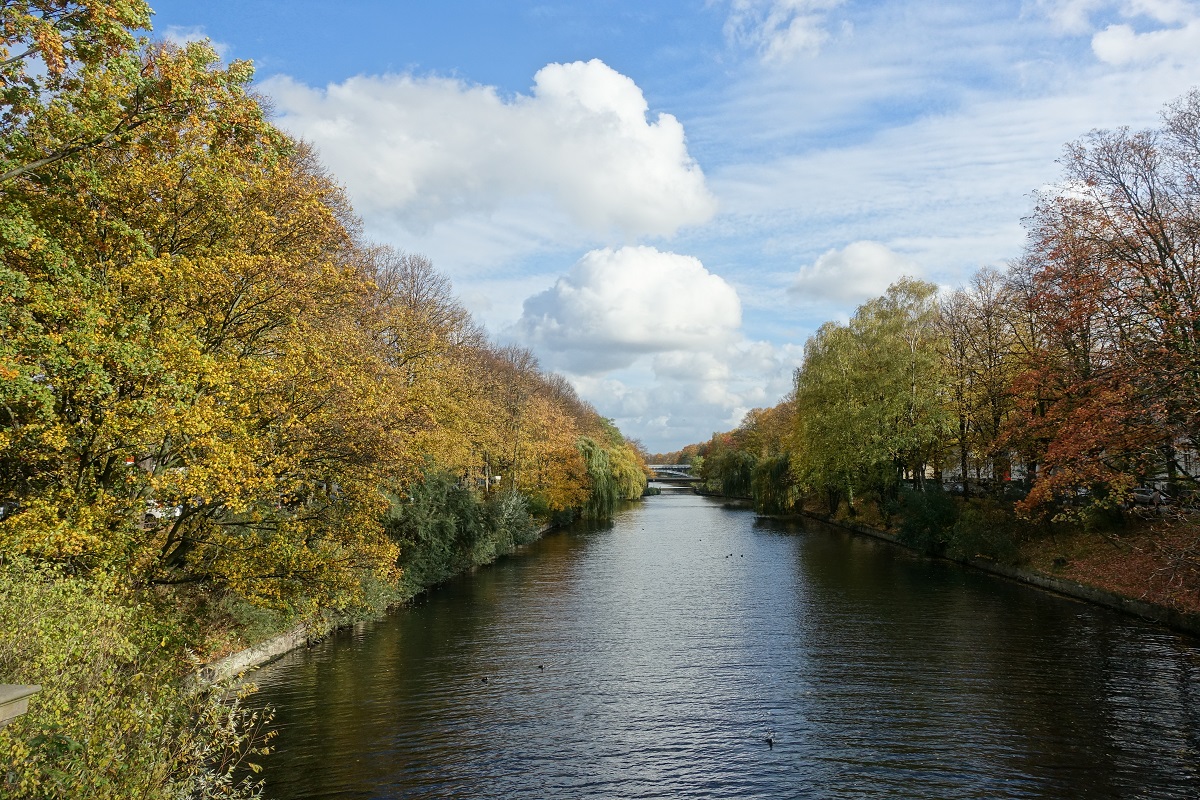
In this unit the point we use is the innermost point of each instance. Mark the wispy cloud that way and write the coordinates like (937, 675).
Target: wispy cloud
(780, 30)
(180, 35)
(945, 181)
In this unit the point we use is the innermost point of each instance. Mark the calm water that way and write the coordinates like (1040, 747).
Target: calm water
(675, 640)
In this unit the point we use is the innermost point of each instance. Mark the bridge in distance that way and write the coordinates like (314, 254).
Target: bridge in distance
(672, 473)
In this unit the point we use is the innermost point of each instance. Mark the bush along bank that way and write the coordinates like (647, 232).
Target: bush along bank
(442, 530)
(216, 412)
(119, 715)
(445, 529)
(113, 718)
(987, 535)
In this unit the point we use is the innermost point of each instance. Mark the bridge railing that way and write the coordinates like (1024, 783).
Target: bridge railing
(676, 472)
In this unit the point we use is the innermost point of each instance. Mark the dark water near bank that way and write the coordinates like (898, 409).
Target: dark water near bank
(674, 641)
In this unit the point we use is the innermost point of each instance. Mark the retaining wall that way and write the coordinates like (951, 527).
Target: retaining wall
(265, 652)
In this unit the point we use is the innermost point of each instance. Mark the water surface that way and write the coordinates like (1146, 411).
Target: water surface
(653, 657)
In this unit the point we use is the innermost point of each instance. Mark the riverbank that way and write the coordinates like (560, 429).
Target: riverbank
(1120, 573)
(580, 667)
(310, 631)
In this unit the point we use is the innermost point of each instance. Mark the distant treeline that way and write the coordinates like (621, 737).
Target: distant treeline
(219, 403)
(1065, 387)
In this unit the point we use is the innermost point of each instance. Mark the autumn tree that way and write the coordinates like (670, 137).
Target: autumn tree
(828, 438)
(978, 348)
(183, 333)
(74, 77)
(1113, 276)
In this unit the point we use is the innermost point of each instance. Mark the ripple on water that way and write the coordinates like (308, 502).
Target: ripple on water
(667, 661)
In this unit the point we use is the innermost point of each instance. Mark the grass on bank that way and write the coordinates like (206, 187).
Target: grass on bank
(1136, 552)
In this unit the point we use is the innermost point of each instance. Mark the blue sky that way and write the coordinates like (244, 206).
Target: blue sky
(664, 200)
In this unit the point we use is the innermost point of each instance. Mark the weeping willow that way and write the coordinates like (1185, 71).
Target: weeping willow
(605, 491)
(627, 471)
(772, 485)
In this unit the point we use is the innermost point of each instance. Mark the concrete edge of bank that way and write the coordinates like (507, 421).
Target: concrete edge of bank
(254, 656)
(302, 635)
(1168, 617)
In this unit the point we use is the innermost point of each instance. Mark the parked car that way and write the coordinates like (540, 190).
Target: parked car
(155, 510)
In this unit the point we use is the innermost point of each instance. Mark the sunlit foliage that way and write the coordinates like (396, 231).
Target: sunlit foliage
(214, 393)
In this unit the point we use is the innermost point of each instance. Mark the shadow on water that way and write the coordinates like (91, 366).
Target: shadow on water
(652, 658)
(1042, 696)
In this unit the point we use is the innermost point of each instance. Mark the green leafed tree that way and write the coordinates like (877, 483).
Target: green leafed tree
(869, 406)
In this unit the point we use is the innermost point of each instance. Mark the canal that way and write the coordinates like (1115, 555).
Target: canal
(654, 657)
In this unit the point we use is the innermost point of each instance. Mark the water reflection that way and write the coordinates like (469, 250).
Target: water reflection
(673, 641)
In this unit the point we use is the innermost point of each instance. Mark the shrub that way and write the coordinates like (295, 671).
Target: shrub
(436, 527)
(929, 517)
(986, 529)
(444, 528)
(511, 520)
(115, 717)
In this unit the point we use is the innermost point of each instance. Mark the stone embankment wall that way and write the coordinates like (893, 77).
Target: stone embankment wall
(233, 665)
(265, 652)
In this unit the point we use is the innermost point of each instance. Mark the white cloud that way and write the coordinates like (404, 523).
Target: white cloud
(1120, 44)
(1071, 16)
(691, 394)
(616, 305)
(677, 407)
(180, 36)
(780, 30)
(1168, 12)
(857, 272)
(683, 365)
(417, 151)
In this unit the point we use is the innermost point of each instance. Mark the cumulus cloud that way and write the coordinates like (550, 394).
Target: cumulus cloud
(858, 271)
(692, 394)
(780, 29)
(616, 305)
(422, 150)
(655, 340)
